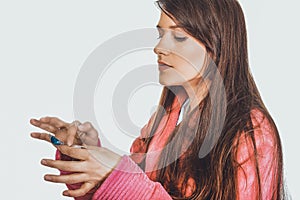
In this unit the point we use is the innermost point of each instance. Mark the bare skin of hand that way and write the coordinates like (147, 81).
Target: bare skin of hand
(93, 164)
(73, 133)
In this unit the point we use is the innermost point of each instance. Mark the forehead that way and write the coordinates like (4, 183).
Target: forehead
(165, 21)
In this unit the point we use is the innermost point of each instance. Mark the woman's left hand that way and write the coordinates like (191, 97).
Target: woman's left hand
(93, 166)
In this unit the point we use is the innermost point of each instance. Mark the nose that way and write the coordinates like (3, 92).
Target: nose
(161, 49)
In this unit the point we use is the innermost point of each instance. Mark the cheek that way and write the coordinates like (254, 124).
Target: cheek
(196, 58)
(192, 57)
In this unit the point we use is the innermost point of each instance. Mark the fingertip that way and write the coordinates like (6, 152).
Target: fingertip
(70, 142)
(47, 177)
(43, 162)
(34, 135)
(33, 121)
(66, 193)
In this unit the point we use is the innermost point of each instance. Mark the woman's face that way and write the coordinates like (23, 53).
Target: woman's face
(180, 56)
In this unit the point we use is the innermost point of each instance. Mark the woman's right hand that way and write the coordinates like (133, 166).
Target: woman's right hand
(73, 133)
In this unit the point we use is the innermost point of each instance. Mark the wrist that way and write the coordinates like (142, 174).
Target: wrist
(109, 159)
(106, 159)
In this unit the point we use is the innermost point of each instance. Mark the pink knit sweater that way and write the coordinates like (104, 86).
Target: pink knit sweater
(128, 181)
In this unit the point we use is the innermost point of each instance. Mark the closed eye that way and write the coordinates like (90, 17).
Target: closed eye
(180, 39)
(179, 36)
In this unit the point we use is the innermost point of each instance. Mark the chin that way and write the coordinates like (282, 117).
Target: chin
(168, 83)
(162, 83)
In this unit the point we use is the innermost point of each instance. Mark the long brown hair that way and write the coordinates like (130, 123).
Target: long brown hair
(220, 26)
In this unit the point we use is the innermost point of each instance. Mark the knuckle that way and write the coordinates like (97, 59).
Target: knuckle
(54, 179)
(50, 163)
(81, 192)
(44, 118)
(88, 125)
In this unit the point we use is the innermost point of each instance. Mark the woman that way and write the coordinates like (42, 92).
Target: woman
(211, 138)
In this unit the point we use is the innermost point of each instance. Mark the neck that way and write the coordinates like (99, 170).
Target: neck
(196, 92)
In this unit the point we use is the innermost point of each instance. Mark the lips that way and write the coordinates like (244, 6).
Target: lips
(163, 66)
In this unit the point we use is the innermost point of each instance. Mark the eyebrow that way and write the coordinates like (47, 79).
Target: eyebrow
(171, 27)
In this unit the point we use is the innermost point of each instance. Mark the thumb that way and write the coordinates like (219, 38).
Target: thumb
(71, 133)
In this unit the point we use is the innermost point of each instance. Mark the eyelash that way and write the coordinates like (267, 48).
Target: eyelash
(178, 39)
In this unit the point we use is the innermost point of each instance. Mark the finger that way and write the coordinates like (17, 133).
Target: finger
(44, 126)
(41, 136)
(76, 123)
(88, 128)
(81, 154)
(54, 121)
(88, 134)
(48, 128)
(67, 179)
(71, 133)
(34, 122)
(69, 166)
(85, 188)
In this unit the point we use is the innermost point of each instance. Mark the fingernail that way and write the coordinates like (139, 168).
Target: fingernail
(44, 162)
(33, 121)
(65, 193)
(47, 178)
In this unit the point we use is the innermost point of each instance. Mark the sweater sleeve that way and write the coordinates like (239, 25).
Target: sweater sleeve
(127, 181)
(266, 163)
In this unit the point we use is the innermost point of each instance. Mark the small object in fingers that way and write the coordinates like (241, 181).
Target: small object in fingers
(55, 141)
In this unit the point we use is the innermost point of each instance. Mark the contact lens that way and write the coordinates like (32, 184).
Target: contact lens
(55, 141)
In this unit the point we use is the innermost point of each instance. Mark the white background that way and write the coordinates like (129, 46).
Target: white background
(43, 45)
